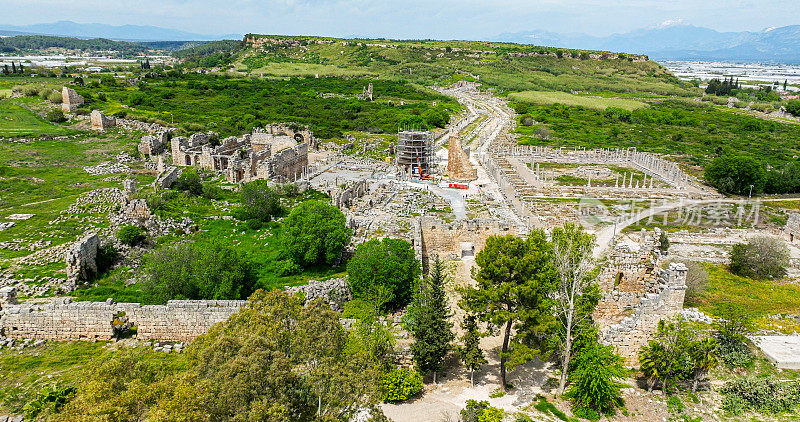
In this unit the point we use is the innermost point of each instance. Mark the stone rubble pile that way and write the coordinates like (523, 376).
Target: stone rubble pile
(107, 168)
(335, 291)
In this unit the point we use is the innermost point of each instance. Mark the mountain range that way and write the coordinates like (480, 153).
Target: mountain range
(112, 32)
(680, 42)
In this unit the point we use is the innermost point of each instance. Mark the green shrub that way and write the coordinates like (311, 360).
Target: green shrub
(359, 309)
(254, 224)
(675, 405)
(260, 201)
(54, 97)
(595, 379)
(764, 395)
(735, 174)
(49, 400)
(189, 181)
(733, 352)
(400, 385)
(480, 411)
(131, 235)
(286, 267)
(586, 413)
(107, 255)
(761, 258)
(56, 116)
(315, 233)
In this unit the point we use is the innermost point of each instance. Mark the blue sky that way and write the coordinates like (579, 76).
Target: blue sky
(445, 19)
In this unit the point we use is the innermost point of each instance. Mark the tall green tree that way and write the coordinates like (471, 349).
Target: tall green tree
(431, 326)
(513, 284)
(260, 201)
(595, 379)
(385, 272)
(314, 233)
(470, 351)
(575, 295)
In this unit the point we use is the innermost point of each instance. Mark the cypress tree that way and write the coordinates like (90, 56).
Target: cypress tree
(13, 68)
(470, 351)
(5, 69)
(431, 326)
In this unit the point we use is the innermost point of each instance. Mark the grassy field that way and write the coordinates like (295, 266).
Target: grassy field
(692, 133)
(598, 103)
(16, 121)
(762, 298)
(24, 373)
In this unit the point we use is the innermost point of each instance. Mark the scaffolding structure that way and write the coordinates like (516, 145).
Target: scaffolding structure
(414, 153)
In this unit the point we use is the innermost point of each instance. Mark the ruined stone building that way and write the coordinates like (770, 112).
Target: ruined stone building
(154, 145)
(366, 93)
(791, 231)
(100, 121)
(70, 100)
(277, 152)
(637, 294)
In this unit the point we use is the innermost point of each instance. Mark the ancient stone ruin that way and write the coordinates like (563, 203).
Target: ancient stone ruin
(335, 291)
(458, 166)
(70, 100)
(637, 294)
(277, 153)
(100, 121)
(366, 93)
(791, 231)
(64, 320)
(154, 145)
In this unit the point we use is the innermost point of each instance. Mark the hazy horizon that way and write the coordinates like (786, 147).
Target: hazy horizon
(445, 19)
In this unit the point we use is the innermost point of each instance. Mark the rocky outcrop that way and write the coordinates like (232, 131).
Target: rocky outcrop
(335, 291)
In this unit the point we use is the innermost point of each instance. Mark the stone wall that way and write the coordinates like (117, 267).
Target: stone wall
(70, 100)
(100, 121)
(447, 239)
(64, 320)
(166, 178)
(637, 294)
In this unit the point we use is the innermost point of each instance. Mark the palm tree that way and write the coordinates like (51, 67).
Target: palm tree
(704, 356)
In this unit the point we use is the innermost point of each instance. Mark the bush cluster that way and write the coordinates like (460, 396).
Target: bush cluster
(400, 385)
(765, 395)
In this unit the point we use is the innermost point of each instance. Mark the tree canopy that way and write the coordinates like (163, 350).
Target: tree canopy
(384, 271)
(315, 233)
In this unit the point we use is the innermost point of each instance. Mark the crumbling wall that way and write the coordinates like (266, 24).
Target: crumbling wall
(64, 320)
(635, 330)
(154, 145)
(335, 291)
(345, 197)
(81, 259)
(70, 100)
(166, 178)
(446, 239)
(100, 121)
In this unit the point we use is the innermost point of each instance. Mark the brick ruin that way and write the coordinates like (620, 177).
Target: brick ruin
(278, 153)
(458, 166)
(637, 294)
(64, 320)
(70, 100)
(100, 121)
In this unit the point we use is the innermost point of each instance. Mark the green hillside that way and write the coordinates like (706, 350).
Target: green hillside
(506, 67)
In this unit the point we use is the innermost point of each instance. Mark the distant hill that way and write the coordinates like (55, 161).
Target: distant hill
(119, 33)
(506, 67)
(683, 42)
